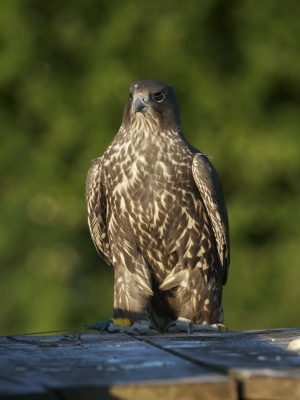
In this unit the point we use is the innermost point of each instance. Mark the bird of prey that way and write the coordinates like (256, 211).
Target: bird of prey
(157, 214)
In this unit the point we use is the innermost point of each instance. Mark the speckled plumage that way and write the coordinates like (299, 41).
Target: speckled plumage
(157, 214)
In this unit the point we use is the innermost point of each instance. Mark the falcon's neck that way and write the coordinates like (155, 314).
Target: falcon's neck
(148, 128)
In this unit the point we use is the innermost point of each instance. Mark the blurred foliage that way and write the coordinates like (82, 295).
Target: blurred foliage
(65, 70)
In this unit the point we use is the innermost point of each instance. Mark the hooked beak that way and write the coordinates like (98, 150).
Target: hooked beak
(140, 104)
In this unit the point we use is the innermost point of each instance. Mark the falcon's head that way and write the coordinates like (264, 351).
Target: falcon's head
(152, 105)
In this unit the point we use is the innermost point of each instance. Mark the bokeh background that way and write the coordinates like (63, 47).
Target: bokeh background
(65, 70)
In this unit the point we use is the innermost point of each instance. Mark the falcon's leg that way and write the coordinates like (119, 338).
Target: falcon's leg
(199, 304)
(186, 325)
(132, 294)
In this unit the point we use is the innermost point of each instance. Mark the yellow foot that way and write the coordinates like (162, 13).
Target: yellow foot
(186, 325)
(141, 327)
(124, 325)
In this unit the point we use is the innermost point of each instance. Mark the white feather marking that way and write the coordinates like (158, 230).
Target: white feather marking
(122, 204)
(141, 281)
(172, 280)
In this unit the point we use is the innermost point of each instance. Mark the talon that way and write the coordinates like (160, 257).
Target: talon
(223, 326)
(170, 325)
(155, 329)
(105, 328)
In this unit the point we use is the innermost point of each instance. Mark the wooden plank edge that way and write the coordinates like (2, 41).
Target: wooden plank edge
(202, 388)
(267, 384)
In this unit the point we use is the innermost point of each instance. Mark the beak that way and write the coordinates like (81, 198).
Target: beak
(140, 104)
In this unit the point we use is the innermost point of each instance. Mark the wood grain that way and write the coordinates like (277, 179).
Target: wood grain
(79, 366)
(224, 365)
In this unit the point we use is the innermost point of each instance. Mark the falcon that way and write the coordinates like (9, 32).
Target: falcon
(157, 214)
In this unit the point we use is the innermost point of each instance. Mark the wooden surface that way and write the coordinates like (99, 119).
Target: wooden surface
(225, 365)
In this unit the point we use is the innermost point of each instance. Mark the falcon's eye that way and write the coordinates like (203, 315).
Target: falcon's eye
(159, 97)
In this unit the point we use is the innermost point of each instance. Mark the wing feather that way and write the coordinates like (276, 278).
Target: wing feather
(208, 183)
(96, 206)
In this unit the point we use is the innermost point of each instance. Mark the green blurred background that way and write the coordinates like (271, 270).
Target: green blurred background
(65, 70)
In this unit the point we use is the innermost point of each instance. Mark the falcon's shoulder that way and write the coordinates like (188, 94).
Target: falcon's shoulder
(208, 183)
(96, 206)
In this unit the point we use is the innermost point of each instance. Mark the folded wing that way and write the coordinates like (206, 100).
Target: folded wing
(208, 183)
(96, 206)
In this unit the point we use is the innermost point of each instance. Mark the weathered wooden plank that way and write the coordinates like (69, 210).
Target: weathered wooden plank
(267, 384)
(169, 366)
(187, 389)
(111, 365)
(259, 360)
